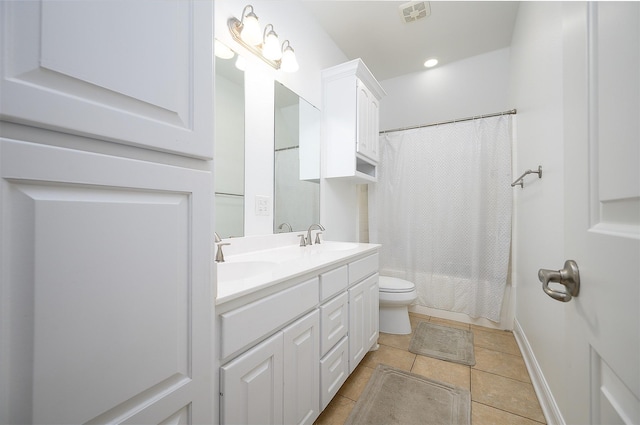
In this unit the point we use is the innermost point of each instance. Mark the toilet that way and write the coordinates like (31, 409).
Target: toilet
(395, 296)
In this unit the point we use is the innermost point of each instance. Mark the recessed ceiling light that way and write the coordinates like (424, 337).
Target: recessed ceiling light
(430, 63)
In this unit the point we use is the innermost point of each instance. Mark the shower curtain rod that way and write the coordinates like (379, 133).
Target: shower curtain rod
(509, 112)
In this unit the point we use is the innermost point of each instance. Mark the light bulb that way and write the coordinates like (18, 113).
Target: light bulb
(251, 33)
(271, 47)
(289, 61)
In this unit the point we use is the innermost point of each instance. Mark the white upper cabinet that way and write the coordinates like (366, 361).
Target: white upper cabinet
(351, 121)
(368, 127)
(137, 73)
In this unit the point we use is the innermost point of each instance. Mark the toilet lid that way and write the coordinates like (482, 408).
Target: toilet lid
(393, 284)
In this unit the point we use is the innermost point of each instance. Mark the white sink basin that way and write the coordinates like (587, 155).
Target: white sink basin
(243, 269)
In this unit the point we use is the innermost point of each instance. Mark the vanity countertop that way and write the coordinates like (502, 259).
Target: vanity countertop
(244, 274)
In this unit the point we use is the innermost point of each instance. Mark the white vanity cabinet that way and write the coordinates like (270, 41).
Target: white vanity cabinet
(351, 98)
(277, 381)
(284, 356)
(363, 308)
(348, 321)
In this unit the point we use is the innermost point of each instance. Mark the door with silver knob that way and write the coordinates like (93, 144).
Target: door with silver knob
(601, 96)
(569, 276)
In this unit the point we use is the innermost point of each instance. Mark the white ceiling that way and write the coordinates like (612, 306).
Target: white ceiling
(375, 32)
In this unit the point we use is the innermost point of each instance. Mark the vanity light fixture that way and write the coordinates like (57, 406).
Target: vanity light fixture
(289, 61)
(266, 45)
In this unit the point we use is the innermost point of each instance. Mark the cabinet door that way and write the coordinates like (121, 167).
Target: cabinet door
(106, 289)
(138, 72)
(301, 370)
(374, 128)
(363, 132)
(251, 385)
(362, 117)
(372, 305)
(363, 319)
(367, 122)
(357, 320)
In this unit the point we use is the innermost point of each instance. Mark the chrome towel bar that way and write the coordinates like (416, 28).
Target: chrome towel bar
(520, 180)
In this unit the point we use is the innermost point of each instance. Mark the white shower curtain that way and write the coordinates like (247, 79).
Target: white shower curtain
(444, 200)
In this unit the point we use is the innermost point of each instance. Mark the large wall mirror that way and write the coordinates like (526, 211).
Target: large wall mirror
(296, 162)
(229, 143)
(296, 179)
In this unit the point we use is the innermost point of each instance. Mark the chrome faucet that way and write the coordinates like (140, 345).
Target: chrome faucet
(316, 226)
(219, 245)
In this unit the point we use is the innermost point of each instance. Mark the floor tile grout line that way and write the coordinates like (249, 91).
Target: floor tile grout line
(498, 351)
(503, 376)
(506, 411)
(506, 377)
(493, 349)
(415, 357)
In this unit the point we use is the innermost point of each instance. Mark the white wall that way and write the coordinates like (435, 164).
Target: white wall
(474, 86)
(314, 50)
(536, 90)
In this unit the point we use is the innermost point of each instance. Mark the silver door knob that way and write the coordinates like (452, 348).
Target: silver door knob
(568, 276)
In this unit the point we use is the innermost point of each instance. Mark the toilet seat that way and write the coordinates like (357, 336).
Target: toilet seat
(395, 285)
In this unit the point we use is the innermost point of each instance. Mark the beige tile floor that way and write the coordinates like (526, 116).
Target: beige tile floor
(501, 391)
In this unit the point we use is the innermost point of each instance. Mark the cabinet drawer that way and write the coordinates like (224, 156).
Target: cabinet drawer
(246, 324)
(334, 322)
(333, 282)
(362, 268)
(334, 371)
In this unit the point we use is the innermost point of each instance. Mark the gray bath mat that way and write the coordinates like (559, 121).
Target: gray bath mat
(444, 343)
(394, 396)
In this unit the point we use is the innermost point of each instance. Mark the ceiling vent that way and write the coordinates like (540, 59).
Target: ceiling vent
(414, 10)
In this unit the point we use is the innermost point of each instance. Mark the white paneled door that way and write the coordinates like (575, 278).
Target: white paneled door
(602, 210)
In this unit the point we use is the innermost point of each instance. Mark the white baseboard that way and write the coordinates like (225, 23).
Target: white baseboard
(548, 403)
